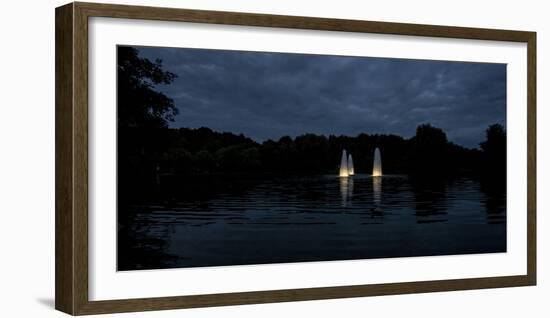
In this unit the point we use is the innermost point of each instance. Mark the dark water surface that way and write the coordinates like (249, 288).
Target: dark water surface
(224, 221)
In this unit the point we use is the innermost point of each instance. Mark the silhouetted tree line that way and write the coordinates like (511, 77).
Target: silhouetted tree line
(148, 150)
(203, 151)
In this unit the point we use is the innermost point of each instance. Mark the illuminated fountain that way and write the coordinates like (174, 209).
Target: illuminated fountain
(344, 171)
(346, 184)
(351, 172)
(377, 166)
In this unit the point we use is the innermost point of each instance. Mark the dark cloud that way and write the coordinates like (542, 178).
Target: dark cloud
(269, 95)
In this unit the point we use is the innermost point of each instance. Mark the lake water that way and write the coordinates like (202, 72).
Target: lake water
(225, 221)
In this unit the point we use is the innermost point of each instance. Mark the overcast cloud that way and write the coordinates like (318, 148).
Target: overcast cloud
(269, 95)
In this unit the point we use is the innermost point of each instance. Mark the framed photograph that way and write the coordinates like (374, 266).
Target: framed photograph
(211, 158)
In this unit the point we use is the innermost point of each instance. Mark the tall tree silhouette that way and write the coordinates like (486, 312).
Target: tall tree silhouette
(429, 150)
(494, 150)
(139, 105)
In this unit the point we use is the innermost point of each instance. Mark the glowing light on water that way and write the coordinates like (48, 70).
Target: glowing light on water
(344, 172)
(377, 166)
(351, 171)
(346, 190)
(377, 190)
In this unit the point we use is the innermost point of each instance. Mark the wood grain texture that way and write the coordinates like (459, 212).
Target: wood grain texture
(297, 22)
(165, 303)
(80, 144)
(64, 235)
(532, 158)
(72, 158)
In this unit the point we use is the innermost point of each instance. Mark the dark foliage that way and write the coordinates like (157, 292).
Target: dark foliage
(139, 105)
(150, 154)
(494, 151)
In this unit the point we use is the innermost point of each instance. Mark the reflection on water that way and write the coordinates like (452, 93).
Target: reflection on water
(224, 221)
(377, 190)
(346, 190)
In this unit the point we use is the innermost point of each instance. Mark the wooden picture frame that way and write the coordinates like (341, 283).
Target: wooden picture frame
(72, 280)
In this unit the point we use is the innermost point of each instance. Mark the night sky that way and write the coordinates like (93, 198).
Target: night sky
(269, 95)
